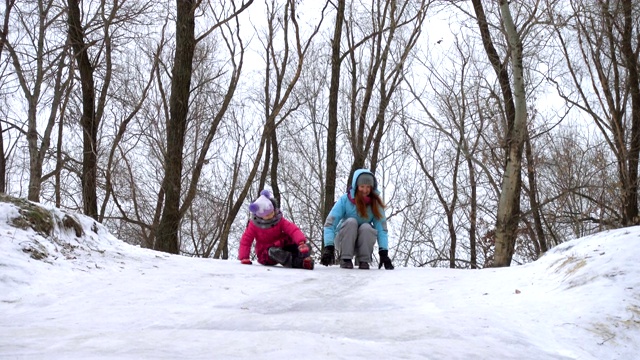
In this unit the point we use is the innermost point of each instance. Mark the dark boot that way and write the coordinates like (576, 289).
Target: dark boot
(346, 264)
(280, 256)
(299, 262)
(307, 263)
(363, 265)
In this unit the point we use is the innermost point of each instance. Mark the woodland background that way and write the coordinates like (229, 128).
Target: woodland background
(496, 129)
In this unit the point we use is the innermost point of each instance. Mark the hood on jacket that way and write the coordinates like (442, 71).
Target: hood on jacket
(354, 181)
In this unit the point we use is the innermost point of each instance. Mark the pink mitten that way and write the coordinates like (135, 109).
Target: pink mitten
(304, 249)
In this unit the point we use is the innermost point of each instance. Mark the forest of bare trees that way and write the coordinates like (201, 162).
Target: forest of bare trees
(496, 129)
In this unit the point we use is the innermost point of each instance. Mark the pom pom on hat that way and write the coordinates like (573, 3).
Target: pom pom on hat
(365, 179)
(263, 205)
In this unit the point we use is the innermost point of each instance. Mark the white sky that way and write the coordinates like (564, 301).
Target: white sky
(99, 298)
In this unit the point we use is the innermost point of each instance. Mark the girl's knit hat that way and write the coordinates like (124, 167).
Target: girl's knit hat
(262, 206)
(365, 179)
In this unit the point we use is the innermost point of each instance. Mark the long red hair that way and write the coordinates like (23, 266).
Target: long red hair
(374, 200)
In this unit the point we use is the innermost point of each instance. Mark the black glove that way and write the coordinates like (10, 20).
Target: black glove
(328, 255)
(384, 260)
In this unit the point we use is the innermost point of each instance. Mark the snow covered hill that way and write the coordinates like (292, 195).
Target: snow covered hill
(70, 290)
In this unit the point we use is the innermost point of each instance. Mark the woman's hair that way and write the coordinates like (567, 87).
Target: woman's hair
(376, 205)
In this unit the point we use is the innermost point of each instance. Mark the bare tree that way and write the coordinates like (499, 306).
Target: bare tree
(32, 76)
(96, 33)
(596, 40)
(303, 143)
(90, 119)
(275, 101)
(332, 118)
(167, 231)
(379, 58)
(445, 145)
(186, 41)
(509, 205)
(630, 57)
(277, 95)
(508, 214)
(539, 241)
(3, 36)
(579, 179)
(116, 146)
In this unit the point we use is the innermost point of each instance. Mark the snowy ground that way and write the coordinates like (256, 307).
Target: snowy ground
(95, 297)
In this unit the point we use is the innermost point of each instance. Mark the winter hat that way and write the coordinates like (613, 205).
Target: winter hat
(365, 179)
(263, 205)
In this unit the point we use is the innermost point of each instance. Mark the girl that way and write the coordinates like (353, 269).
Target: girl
(278, 241)
(355, 223)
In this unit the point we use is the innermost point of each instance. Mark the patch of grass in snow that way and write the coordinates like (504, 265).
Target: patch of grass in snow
(571, 264)
(43, 221)
(615, 330)
(31, 215)
(605, 333)
(634, 320)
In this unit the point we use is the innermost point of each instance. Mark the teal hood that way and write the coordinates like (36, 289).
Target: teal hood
(353, 187)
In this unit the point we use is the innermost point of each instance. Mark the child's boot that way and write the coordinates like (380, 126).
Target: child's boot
(346, 264)
(280, 256)
(307, 263)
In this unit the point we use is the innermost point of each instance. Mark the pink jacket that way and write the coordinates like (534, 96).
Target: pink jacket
(283, 233)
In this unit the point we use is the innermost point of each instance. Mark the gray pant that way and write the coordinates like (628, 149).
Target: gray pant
(355, 240)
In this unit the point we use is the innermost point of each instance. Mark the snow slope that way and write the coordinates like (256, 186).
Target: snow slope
(93, 296)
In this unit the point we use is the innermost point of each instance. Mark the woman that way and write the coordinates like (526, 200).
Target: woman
(278, 240)
(355, 223)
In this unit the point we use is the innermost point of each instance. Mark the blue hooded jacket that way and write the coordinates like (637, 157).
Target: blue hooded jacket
(344, 208)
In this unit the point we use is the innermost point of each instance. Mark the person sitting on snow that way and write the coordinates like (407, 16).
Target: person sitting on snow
(278, 240)
(355, 223)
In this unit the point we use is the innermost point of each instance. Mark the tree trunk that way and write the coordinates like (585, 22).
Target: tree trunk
(332, 127)
(167, 233)
(533, 200)
(39, 152)
(262, 181)
(473, 212)
(35, 171)
(508, 215)
(631, 62)
(275, 161)
(3, 164)
(3, 35)
(497, 64)
(89, 121)
(58, 182)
